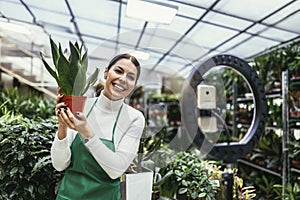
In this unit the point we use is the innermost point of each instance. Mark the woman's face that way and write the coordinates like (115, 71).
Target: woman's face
(120, 79)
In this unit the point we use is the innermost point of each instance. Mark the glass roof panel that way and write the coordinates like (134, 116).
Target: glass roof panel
(253, 46)
(251, 9)
(101, 30)
(14, 10)
(291, 23)
(210, 36)
(179, 25)
(53, 20)
(99, 11)
(278, 34)
(190, 11)
(234, 42)
(171, 64)
(204, 3)
(228, 21)
(285, 12)
(56, 6)
(189, 50)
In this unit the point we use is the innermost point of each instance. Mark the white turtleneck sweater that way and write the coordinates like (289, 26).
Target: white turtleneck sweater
(127, 136)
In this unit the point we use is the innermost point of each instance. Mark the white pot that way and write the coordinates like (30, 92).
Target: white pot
(137, 186)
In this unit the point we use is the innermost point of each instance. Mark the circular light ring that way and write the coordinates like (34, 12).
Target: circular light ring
(231, 151)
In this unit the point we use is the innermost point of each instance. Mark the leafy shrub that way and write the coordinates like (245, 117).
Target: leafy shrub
(187, 175)
(26, 171)
(31, 106)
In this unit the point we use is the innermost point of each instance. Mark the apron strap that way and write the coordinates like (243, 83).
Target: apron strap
(87, 115)
(115, 124)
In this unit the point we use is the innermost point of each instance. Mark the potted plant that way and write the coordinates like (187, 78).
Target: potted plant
(187, 177)
(70, 74)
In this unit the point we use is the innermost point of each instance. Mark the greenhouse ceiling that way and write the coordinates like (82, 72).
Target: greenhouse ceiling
(200, 28)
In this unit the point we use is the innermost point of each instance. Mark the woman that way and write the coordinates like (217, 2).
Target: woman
(97, 146)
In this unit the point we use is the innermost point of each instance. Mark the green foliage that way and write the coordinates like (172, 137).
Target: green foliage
(188, 175)
(268, 152)
(70, 73)
(31, 106)
(25, 167)
(292, 191)
(270, 66)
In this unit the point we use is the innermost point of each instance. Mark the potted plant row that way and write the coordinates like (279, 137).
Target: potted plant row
(70, 73)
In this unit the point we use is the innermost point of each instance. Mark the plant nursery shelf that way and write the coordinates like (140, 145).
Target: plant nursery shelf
(245, 162)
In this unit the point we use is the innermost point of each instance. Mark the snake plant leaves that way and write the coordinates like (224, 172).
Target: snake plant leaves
(63, 73)
(70, 73)
(74, 63)
(91, 80)
(55, 52)
(49, 69)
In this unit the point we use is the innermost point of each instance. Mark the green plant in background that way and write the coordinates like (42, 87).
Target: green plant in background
(268, 151)
(70, 73)
(31, 106)
(292, 191)
(294, 154)
(27, 124)
(187, 175)
(270, 66)
(242, 192)
(26, 171)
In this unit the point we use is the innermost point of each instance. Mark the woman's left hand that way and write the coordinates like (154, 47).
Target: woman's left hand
(79, 123)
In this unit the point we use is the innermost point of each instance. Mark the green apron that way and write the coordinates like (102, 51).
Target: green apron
(85, 179)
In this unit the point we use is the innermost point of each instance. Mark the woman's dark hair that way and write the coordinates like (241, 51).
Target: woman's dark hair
(129, 57)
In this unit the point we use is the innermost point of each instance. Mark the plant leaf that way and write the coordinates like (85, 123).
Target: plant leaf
(49, 69)
(164, 178)
(55, 53)
(91, 80)
(63, 73)
(80, 79)
(84, 61)
(182, 190)
(75, 63)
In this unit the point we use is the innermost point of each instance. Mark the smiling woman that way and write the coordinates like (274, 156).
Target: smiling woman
(97, 146)
(121, 76)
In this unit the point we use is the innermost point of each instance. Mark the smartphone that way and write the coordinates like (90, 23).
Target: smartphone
(206, 101)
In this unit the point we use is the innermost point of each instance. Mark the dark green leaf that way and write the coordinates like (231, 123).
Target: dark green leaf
(49, 69)
(182, 190)
(75, 63)
(55, 53)
(13, 170)
(91, 80)
(79, 82)
(63, 74)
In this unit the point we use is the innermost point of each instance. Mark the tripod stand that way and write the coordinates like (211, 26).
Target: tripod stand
(228, 181)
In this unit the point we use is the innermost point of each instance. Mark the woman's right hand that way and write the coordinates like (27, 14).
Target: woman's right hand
(60, 106)
(59, 109)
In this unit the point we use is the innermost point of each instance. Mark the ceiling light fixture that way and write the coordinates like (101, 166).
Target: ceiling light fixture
(151, 11)
(138, 54)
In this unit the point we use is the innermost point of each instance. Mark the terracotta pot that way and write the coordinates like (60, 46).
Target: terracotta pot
(75, 103)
